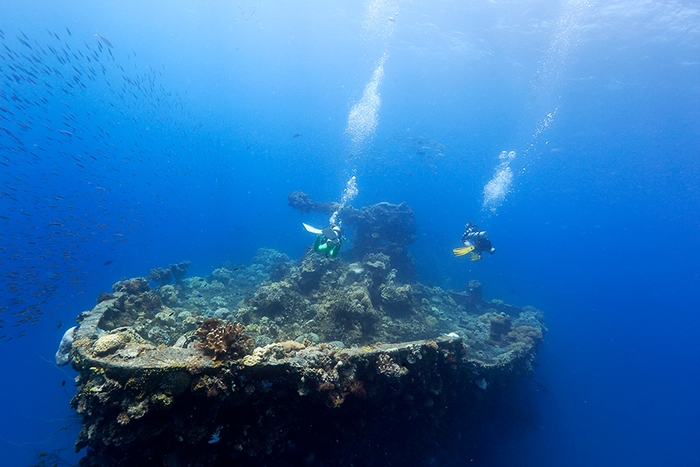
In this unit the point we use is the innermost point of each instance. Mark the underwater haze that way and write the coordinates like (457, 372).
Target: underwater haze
(134, 135)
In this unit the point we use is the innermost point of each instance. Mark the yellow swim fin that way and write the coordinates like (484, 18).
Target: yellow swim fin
(475, 257)
(462, 250)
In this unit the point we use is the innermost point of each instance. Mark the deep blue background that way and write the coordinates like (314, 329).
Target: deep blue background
(600, 230)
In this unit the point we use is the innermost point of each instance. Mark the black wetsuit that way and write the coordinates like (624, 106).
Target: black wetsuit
(478, 238)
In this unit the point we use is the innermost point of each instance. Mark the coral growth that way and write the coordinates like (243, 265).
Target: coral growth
(303, 203)
(104, 296)
(160, 275)
(396, 298)
(310, 273)
(179, 270)
(165, 276)
(276, 298)
(313, 300)
(501, 325)
(349, 312)
(336, 358)
(386, 366)
(381, 228)
(133, 286)
(224, 340)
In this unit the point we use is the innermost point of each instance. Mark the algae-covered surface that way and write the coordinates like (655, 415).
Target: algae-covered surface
(317, 361)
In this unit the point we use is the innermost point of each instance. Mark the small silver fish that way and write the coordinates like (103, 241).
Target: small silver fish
(105, 40)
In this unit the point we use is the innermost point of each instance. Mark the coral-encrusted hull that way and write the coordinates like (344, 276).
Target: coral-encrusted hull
(289, 370)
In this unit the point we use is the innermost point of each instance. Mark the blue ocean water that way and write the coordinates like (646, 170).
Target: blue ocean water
(137, 135)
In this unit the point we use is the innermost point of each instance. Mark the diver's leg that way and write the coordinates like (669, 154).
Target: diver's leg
(335, 249)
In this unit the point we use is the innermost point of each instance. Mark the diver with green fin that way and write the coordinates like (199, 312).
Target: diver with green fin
(328, 241)
(475, 241)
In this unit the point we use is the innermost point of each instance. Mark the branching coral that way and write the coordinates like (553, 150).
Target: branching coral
(224, 341)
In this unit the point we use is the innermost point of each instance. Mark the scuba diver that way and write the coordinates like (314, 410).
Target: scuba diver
(475, 241)
(328, 241)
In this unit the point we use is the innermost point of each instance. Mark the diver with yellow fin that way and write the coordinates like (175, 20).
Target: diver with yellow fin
(475, 241)
(328, 241)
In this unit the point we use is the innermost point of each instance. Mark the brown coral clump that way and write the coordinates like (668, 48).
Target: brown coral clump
(133, 286)
(212, 386)
(501, 325)
(179, 270)
(224, 341)
(276, 299)
(160, 275)
(350, 315)
(146, 302)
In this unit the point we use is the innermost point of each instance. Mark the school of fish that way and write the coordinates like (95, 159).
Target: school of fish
(77, 129)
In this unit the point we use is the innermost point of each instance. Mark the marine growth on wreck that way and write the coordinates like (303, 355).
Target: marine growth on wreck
(314, 361)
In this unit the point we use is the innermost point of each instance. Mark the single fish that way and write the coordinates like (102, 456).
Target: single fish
(105, 40)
